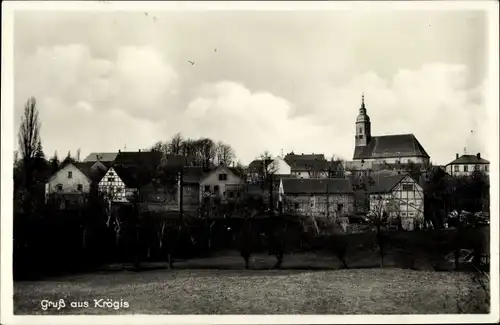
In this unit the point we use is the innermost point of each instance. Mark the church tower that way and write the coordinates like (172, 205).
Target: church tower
(363, 126)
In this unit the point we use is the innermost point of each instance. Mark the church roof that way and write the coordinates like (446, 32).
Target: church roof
(390, 146)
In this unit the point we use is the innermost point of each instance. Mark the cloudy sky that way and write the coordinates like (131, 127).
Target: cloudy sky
(274, 81)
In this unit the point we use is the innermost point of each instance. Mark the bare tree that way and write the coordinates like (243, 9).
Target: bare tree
(224, 154)
(380, 212)
(175, 145)
(29, 131)
(77, 158)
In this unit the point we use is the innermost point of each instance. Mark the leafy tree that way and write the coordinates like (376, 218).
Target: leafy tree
(54, 162)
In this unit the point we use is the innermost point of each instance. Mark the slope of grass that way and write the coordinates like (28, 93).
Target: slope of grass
(361, 291)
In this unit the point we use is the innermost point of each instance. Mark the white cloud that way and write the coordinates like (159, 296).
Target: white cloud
(292, 87)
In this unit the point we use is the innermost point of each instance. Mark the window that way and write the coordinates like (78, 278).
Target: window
(216, 188)
(222, 177)
(403, 214)
(361, 136)
(456, 168)
(79, 187)
(207, 188)
(296, 205)
(340, 207)
(465, 168)
(70, 174)
(111, 174)
(360, 130)
(411, 214)
(408, 187)
(485, 168)
(111, 179)
(59, 187)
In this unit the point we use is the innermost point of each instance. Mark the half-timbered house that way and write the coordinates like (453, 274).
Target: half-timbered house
(327, 197)
(399, 196)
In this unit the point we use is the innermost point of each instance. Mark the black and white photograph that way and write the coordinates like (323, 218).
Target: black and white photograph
(284, 159)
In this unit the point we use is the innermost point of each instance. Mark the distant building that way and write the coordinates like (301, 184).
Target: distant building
(465, 165)
(258, 167)
(307, 165)
(390, 149)
(329, 197)
(398, 195)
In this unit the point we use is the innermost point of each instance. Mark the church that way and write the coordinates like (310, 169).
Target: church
(387, 149)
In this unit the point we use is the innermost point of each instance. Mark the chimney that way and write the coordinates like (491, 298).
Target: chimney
(139, 150)
(478, 155)
(456, 156)
(119, 151)
(97, 157)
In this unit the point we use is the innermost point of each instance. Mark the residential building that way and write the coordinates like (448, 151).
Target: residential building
(465, 165)
(258, 168)
(72, 182)
(223, 183)
(120, 184)
(328, 197)
(397, 148)
(307, 165)
(398, 196)
(105, 157)
(149, 159)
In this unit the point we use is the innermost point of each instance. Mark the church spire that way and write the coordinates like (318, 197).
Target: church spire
(362, 100)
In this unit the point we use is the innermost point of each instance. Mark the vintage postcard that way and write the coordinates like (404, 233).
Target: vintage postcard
(249, 162)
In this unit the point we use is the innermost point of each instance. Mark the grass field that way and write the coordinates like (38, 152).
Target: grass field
(235, 291)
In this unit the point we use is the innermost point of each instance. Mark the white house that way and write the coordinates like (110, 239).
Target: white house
(307, 165)
(119, 183)
(465, 165)
(222, 182)
(398, 195)
(258, 167)
(73, 181)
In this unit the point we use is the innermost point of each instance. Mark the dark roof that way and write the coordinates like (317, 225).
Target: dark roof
(133, 176)
(195, 174)
(305, 164)
(178, 161)
(292, 156)
(101, 156)
(316, 185)
(259, 164)
(469, 159)
(398, 145)
(138, 158)
(386, 184)
(94, 174)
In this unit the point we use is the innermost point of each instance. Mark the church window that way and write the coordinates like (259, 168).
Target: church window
(360, 130)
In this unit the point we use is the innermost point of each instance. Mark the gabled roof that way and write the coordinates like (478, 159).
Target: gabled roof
(194, 174)
(94, 174)
(317, 186)
(259, 164)
(387, 183)
(133, 176)
(292, 156)
(175, 161)
(308, 164)
(138, 158)
(101, 156)
(388, 146)
(469, 159)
